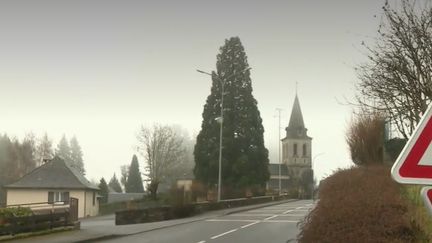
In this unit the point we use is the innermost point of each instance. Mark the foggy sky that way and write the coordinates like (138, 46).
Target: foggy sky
(99, 69)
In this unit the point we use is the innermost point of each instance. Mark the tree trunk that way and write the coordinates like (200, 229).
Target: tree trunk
(153, 189)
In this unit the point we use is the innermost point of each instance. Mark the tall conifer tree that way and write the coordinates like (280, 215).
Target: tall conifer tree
(76, 155)
(103, 190)
(244, 158)
(115, 184)
(63, 150)
(134, 181)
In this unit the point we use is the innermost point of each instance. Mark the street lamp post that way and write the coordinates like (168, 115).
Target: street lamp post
(279, 149)
(312, 164)
(220, 119)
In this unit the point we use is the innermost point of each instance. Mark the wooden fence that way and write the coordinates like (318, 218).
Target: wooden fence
(45, 216)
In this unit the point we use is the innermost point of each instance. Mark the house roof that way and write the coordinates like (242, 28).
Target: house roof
(274, 169)
(55, 174)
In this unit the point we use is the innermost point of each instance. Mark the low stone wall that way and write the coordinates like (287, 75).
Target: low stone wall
(135, 216)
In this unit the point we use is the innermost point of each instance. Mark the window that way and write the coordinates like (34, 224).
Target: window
(304, 150)
(58, 197)
(295, 150)
(94, 198)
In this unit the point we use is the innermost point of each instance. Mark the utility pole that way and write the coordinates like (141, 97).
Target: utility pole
(279, 110)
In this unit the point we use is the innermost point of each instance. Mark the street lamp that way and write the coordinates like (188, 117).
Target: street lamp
(279, 149)
(220, 120)
(312, 164)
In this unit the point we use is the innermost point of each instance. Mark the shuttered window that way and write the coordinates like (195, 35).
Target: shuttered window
(54, 197)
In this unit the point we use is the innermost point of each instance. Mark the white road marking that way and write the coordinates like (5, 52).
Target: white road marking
(292, 215)
(266, 211)
(274, 216)
(262, 212)
(288, 211)
(253, 221)
(225, 233)
(203, 241)
(280, 221)
(230, 220)
(244, 226)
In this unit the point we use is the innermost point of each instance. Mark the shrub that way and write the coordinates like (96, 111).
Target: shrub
(365, 138)
(7, 213)
(15, 212)
(360, 204)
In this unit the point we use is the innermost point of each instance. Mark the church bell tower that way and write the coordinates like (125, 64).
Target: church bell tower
(297, 145)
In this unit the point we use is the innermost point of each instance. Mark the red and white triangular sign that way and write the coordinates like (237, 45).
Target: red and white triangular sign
(426, 193)
(414, 164)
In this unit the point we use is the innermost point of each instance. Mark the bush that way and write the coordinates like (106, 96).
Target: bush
(365, 138)
(361, 204)
(15, 212)
(7, 213)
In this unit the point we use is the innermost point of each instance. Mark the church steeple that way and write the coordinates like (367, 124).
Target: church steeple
(296, 127)
(296, 119)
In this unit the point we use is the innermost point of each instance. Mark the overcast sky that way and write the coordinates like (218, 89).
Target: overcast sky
(98, 69)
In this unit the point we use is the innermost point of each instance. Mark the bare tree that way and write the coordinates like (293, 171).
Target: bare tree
(124, 171)
(163, 150)
(397, 79)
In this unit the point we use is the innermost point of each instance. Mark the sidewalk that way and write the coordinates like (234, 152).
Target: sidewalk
(103, 227)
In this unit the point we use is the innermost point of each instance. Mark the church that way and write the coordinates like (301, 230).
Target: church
(296, 173)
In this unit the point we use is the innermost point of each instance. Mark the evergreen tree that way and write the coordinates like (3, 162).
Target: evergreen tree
(244, 157)
(76, 156)
(103, 190)
(16, 160)
(63, 150)
(134, 180)
(44, 150)
(115, 184)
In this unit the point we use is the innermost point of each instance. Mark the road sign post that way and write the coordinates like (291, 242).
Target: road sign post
(426, 193)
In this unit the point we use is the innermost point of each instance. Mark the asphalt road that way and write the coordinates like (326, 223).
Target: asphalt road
(277, 223)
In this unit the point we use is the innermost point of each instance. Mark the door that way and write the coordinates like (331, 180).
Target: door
(73, 204)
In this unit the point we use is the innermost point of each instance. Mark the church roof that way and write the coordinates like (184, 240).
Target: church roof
(296, 119)
(296, 127)
(55, 174)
